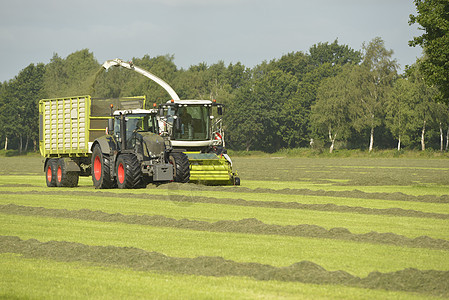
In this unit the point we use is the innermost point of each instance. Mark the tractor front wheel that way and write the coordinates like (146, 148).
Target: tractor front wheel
(128, 172)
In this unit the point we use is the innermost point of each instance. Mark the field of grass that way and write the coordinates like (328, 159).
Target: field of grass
(297, 227)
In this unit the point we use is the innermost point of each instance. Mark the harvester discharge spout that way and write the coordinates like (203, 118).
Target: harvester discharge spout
(129, 65)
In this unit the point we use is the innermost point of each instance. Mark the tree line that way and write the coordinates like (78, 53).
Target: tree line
(332, 96)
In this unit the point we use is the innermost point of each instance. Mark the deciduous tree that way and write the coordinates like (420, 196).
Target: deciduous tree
(371, 82)
(330, 113)
(400, 110)
(433, 17)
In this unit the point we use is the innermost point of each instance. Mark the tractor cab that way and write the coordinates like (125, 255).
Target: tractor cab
(138, 120)
(192, 124)
(132, 128)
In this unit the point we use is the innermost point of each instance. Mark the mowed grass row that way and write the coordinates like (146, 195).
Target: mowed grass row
(351, 171)
(34, 183)
(354, 257)
(22, 278)
(262, 249)
(356, 223)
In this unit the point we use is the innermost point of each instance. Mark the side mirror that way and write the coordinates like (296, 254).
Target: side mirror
(161, 112)
(220, 110)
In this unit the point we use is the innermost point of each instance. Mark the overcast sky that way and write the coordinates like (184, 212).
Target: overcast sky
(194, 31)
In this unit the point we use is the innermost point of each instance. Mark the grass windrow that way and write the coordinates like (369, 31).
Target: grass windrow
(296, 227)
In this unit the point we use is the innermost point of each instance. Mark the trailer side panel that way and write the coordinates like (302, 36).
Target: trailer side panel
(64, 126)
(69, 126)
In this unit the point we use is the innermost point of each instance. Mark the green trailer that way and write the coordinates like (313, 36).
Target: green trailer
(69, 126)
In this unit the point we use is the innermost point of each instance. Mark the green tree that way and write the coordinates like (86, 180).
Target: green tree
(205, 82)
(330, 114)
(71, 76)
(372, 81)
(400, 111)
(19, 106)
(294, 63)
(325, 60)
(237, 75)
(334, 54)
(442, 120)
(254, 118)
(425, 106)
(243, 120)
(433, 16)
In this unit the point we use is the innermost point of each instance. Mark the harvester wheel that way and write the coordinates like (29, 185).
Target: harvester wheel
(181, 167)
(129, 174)
(50, 172)
(101, 175)
(236, 180)
(65, 178)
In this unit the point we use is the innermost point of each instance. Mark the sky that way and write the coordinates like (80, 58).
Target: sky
(196, 31)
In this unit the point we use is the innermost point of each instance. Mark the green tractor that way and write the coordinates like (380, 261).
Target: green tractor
(195, 129)
(133, 154)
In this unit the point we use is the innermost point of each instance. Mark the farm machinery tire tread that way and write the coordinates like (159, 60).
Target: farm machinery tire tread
(101, 170)
(129, 173)
(50, 172)
(65, 178)
(181, 167)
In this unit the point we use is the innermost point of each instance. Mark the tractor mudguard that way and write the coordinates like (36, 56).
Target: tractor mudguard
(107, 144)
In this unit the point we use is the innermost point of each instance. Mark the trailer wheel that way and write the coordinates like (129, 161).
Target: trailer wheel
(181, 167)
(129, 174)
(101, 175)
(65, 178)
(50, 172)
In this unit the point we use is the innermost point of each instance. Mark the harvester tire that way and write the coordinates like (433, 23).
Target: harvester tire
(65, 178)
(50, 172)
(101, 170)
(181, 167)
(129, 174)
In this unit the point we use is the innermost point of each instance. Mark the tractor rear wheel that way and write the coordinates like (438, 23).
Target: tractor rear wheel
(181, 167)
(65, 178)
(50, 172)
(101, 170)
(129, 174)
